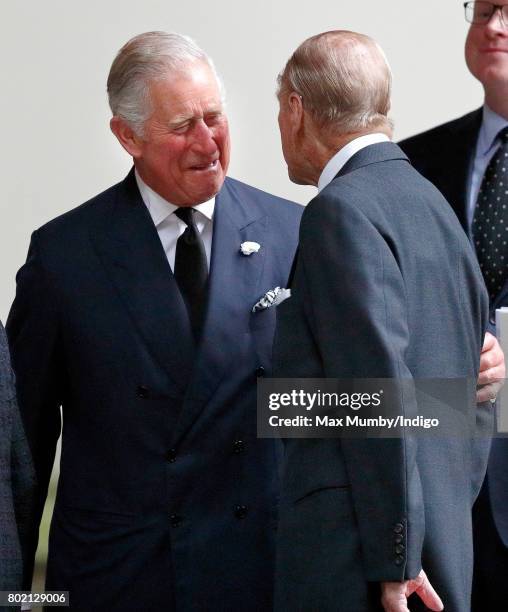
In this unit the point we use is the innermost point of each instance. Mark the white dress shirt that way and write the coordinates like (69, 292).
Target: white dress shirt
(342, 156)
(170, 227)
(486, 146)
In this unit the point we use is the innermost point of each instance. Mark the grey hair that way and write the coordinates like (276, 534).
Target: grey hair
(344, 80)
(143, 59)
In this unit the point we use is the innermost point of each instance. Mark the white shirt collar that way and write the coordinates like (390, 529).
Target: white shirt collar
(492, 124)
(160, 209)
(343, 155)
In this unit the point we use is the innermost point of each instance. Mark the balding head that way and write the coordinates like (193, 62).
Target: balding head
(344, 81)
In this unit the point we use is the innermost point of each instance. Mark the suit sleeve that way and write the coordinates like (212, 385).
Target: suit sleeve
(23, 490)
(32, 329)
(356, 307)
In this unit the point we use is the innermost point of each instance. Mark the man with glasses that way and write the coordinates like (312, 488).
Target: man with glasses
(467, 159)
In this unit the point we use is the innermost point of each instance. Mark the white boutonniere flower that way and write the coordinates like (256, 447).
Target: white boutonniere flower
(247, 248)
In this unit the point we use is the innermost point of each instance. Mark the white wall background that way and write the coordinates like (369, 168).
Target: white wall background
(56, 149)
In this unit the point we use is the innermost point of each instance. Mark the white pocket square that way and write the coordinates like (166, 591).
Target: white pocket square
(272, 298)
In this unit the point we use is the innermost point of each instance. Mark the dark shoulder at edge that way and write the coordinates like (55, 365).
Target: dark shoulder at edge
(437, 132)
(79, 215)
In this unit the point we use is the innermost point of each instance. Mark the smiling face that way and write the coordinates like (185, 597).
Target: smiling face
(487, 52)
(184, 152)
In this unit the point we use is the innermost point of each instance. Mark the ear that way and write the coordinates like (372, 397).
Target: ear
(296, 111)
(126, 136)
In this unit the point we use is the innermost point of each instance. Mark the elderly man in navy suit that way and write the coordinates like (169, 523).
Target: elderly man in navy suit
(135, 314)
(466, 159)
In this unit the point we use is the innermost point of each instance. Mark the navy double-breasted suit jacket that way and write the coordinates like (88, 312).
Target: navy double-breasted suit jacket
(166, 500)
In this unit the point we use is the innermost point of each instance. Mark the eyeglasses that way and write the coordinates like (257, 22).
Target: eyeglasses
(480, 13)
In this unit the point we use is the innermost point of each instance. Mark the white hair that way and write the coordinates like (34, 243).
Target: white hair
(143, 59)
(344, 80)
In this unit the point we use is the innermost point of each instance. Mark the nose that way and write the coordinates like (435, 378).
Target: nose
(497, 24)
(203, 137)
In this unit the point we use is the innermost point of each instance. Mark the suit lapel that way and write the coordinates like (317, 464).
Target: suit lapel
(131, 251)
(458, 160)
(234, 289)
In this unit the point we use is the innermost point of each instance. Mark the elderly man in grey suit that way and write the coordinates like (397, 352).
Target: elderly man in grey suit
(385, 285)
(16, 478)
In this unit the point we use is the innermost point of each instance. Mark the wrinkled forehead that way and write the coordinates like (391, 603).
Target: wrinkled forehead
(194, 89)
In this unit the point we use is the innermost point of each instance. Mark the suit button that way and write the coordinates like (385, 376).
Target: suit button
(399, 560)
(260, 372)
(399, 549)
(142, 391)
(241, 512)
(238, 446)
(175, 519)
(398, 539)
(399, 528)
(171, 455)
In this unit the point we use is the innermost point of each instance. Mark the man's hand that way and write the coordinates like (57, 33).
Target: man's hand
(492, 370)
(394, 594)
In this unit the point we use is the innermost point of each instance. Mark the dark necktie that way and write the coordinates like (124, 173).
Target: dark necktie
(191, 270)
(490, 220)
(293, 270)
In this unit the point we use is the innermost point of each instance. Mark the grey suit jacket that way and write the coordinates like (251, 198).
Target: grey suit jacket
(385, 277)
(16, 477)
(444, 155)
